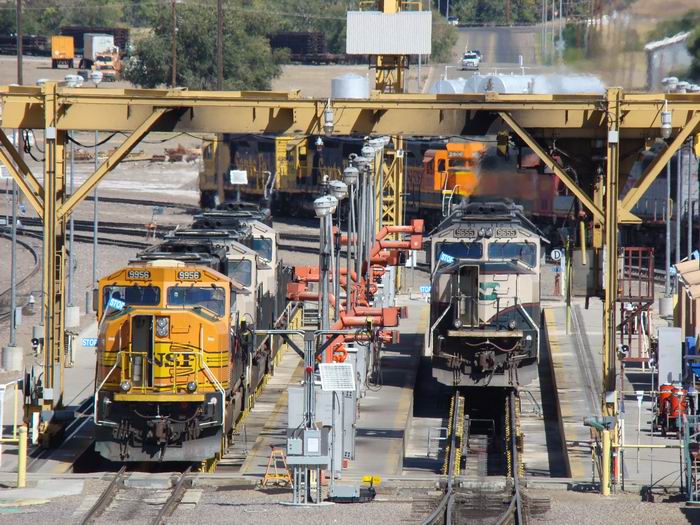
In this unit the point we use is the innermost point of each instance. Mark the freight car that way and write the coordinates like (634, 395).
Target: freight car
(485, 296)
(178, 359)
(120, 34)
(286, 172)
(33, 45)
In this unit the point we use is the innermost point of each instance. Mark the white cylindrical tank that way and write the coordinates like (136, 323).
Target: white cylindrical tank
(449, 86)
(454, 86)
(542, 84)
(350, 86)
(506, 84)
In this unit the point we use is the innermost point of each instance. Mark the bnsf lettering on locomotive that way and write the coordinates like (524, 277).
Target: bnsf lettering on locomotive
(188, 276)
(171, 359)
(464, 232)
(138, 274)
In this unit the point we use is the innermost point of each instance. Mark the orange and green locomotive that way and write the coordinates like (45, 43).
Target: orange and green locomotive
(168, 362)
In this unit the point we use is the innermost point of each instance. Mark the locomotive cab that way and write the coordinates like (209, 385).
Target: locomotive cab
(164, 356)
(485, 298)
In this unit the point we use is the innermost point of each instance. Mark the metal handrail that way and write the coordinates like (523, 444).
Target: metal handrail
(200, 361)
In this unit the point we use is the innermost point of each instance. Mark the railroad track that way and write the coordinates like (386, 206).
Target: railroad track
(108, 501)
(138, 202)
(4, 295)
(105, 241)
(445, 513)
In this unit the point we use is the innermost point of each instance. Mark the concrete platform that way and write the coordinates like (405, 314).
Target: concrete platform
(577, 361)
(79, 382)
(267, 420)
(384, 413)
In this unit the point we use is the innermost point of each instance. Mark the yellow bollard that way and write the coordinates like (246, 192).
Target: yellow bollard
(605, 464)
(584, 254)
(22, 458)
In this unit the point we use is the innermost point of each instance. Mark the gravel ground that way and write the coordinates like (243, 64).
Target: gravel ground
(255, 507)
(576, 508)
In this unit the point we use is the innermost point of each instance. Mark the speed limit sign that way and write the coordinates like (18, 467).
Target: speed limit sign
(556, 255)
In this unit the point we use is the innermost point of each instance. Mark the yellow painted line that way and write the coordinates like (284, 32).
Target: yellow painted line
(578, 468)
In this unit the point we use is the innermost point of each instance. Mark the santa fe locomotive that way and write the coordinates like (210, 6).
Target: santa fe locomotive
(485, 296)
(177, 355)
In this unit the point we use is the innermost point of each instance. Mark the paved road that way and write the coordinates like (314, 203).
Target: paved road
(500, 49)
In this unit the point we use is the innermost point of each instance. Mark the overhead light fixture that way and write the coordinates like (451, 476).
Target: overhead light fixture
(96, 77)
(351, 175)
(328, 119)
(666, 117)
(325, 205)
(339, 189)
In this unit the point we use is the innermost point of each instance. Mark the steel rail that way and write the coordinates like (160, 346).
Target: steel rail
(515, 508)
(29, 275)
(443, 512)
(173, 501)
(105, 498)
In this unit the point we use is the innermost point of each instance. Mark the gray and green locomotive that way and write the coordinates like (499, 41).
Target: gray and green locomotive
(485, 296)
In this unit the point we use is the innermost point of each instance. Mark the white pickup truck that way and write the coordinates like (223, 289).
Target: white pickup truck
(471, 61)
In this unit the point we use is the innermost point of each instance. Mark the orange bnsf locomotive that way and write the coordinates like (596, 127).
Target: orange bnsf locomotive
(178, 357)
(166, 362)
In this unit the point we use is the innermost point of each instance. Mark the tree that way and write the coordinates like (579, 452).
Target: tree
(694, 50)
(444, 37)
(249, 63)
(492, 11)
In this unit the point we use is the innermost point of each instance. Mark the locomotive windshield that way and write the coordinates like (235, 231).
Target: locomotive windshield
(212, 298)
(134, 295)
(241, 271)
(461, 250)
(523, 251)
(263, 247)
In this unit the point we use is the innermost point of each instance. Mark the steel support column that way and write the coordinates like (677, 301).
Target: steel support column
(612, 176)
(54, 252)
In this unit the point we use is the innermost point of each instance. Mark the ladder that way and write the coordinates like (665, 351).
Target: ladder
(277, 472)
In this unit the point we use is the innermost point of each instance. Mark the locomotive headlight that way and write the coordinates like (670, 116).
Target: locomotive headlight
(482, 232)
(512, 324)
(191, 386)
(458, 324)
(162, 326)
(125, 386)
(489, 233)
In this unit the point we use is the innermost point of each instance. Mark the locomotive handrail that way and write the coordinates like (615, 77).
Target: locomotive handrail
(204, 366)
(432, 327)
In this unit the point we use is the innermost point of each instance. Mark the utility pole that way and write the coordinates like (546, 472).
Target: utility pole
(667, 280)
(690, 200)
(20, 34)
(173, 81)
(544, 31)
(679, 206)
(506, 10)
(219, 45)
